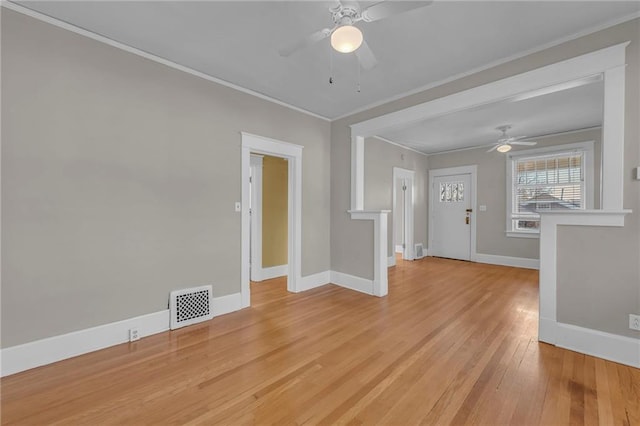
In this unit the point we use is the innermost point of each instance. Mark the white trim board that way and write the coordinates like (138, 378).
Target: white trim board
(516, 262)
(293, 154)
(102, 39)
(352, 282)
(621, 349)
(57, 348)
(272, 272)
(255, 181)
(315, 280)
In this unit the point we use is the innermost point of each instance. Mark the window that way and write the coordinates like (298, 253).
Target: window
(451, 192)
(555, 178)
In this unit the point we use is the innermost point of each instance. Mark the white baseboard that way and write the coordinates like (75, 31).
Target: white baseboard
(518, 262)
(352, 282)
(399, 249)
(391, 261)
(222, 305)
(52, 349)
(620, 349)
(315, 280)
(271, 272)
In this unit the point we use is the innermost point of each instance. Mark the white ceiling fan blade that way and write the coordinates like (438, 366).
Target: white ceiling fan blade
(352, 4)
(366, 57)
(389, 8)
(522, 143)
(305, 42)
(493, 148)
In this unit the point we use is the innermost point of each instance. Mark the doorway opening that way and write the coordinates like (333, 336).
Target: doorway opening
(291, 155)
(268, 185)
(402, 214)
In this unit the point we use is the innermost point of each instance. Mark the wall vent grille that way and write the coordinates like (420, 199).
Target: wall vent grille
(419, 251)
(190, 305)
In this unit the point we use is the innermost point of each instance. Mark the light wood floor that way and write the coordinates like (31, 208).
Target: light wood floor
(453, 343)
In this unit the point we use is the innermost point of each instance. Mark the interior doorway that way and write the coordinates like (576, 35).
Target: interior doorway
(268, 186)
(252, 144)
(402, 213)
(452, 225)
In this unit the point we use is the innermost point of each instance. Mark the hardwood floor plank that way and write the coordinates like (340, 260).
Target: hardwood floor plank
(453, 343)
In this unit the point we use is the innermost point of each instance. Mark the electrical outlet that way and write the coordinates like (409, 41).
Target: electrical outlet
(133, 335)
(634, 322)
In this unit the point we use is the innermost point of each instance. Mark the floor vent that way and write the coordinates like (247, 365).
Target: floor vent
(190, 306)
(419, 251)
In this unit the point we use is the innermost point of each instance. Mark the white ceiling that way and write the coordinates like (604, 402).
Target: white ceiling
(238, 42)
(562, 111)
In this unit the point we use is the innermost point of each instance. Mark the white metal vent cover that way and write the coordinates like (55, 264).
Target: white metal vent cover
(190, 305)
(419, 251)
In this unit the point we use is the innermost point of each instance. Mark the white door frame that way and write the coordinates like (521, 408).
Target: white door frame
(293, 154)
(471, 170)
(256, 217)
(409, 202)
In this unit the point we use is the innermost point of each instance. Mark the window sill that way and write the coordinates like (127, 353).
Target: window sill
(512, 234)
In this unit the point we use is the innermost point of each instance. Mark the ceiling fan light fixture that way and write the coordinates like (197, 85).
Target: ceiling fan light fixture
(504, 148)
(346, 39)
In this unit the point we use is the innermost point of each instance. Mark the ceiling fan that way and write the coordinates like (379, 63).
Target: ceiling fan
(504, 143)
(345, 36)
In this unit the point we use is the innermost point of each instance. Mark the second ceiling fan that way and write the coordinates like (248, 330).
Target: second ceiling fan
(505, 141)
(345, 36)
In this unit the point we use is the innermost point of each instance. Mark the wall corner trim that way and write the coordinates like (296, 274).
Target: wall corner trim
(315, 280)
(612, 347)
(352, 282)
(57, 348)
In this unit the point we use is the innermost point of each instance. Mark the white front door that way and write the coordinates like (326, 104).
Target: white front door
(451, 216)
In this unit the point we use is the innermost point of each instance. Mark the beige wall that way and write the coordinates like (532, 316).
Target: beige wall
(119, 177)
(610, 300)
(492, 176)
(380, 158)
(274, 211)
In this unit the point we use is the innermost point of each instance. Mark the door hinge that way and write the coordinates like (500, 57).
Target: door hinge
(250, 179)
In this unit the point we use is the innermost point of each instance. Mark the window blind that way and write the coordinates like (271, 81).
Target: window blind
(546, 182)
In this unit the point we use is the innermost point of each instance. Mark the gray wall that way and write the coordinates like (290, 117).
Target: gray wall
(492, 175)
(612, 299)
(119, 177)
(380, 158)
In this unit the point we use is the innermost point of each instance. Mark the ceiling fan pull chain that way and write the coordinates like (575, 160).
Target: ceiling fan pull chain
(330, 64)
(358, 67)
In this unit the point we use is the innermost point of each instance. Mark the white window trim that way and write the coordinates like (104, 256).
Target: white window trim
(586, 147)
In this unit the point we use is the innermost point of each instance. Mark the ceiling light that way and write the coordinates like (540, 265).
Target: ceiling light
(504, 148)
(346, 39)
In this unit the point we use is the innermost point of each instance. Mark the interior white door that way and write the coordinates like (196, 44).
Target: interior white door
(451, 201)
